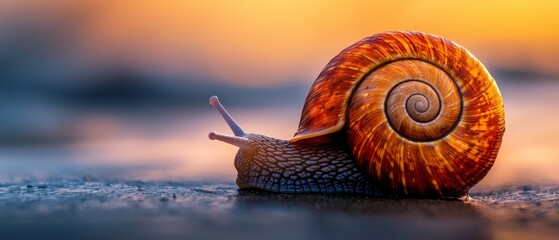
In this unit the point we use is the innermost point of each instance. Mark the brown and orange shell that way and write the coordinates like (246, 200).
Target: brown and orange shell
(422, 115)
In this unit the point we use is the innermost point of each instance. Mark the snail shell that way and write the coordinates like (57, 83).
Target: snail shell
(421, 115)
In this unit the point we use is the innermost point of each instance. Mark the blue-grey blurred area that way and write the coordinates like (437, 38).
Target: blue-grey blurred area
(62, 116)
(45, 90)
(36, 112)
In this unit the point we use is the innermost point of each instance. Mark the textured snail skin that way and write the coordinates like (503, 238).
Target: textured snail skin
(416, 115)
(280, 166)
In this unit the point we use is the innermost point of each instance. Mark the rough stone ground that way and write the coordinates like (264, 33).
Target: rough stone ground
(93, 209)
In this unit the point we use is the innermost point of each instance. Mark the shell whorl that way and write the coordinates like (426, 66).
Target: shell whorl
(421, 102)
(423, 116)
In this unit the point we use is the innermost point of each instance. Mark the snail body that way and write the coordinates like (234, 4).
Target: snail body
(398, 113)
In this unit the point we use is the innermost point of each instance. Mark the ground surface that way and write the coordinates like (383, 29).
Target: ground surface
(91, 209)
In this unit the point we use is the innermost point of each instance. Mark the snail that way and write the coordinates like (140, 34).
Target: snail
(405, 114)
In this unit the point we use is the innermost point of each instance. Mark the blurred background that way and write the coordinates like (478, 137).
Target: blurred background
(119, 89)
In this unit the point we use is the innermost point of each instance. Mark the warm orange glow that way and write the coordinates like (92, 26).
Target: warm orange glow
(270, 42)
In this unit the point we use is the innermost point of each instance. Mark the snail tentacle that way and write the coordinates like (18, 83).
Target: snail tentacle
(241, 139)
(241, 142)
(235, 127)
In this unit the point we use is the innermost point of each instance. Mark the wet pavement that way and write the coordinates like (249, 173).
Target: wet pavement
(93, 209)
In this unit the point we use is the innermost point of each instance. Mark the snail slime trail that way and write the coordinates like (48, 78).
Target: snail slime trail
(419, 114)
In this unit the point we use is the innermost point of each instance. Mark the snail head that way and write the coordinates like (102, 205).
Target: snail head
(250, 145)
(277, 165)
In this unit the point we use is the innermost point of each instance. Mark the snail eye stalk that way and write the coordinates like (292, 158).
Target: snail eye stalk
(237, 130)
(241, 137)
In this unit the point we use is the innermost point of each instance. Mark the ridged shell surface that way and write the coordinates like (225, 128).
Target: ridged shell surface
(423, 116)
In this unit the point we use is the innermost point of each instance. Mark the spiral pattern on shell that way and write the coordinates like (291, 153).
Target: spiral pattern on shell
(422, 115)
(421, 102)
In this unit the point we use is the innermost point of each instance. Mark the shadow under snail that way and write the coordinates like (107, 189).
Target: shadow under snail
(404, 114)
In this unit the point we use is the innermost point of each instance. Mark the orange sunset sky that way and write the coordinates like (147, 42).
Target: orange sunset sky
(266, 43)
